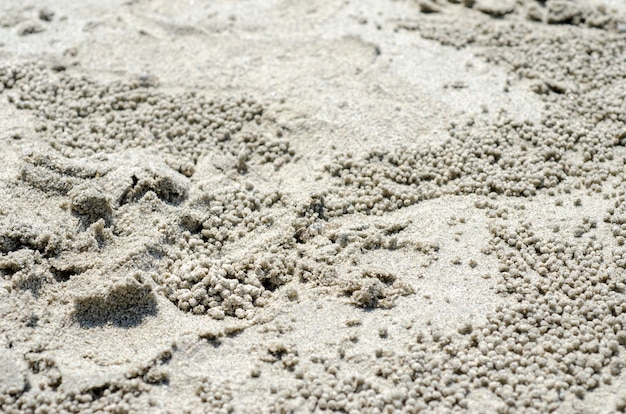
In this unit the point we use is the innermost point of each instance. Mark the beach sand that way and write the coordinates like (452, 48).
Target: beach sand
(312, 206)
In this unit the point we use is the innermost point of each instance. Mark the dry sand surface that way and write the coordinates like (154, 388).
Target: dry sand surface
(359, 206)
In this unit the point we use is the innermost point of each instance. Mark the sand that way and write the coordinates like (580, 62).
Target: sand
(313, 206)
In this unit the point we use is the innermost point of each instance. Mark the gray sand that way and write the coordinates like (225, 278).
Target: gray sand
(313, 206)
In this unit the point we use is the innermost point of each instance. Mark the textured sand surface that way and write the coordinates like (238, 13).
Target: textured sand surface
(313, 206)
